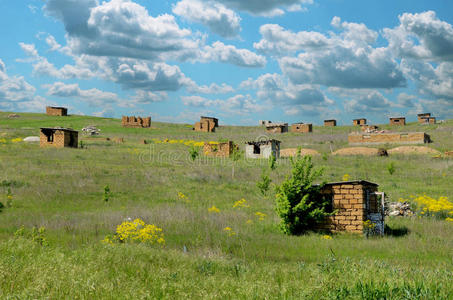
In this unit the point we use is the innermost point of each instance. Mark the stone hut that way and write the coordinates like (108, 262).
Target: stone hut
(56, 111)
(398, 121)
(331, 123)
(219, 149)
(214, 120)
(355, 202)
(262, 149)
(204, 126)
(357, 122)
(358, 138)
(277, 128)
(301, 128)
(58, 137)
(136, 122)
(426, 118)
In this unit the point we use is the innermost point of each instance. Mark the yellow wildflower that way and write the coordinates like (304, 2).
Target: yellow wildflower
(326, 237)
(213, 209)
(346, 177)
(249, 221)
(229, 230)
(449, 219)
(241, 204)
(260, 215)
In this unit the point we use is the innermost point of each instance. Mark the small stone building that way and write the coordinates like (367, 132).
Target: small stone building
(204, 126)
(264, 122)
(136, 122)
(262, 149)
(58, 137)
(277, 128)
(398, 121)
(219, 149)
(426, 118)
(301, 128)
(331, 123)
(214, 120)
(357, 138)
(355, 203)
(357, 122)
(56, 111)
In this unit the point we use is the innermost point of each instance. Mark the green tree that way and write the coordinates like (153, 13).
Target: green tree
(299, 202)
(264, 184)
(272, 162)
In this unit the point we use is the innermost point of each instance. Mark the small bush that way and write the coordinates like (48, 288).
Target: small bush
(391, 168)
(194, 152)
(264, 184)
(298, 202)
(272, 162)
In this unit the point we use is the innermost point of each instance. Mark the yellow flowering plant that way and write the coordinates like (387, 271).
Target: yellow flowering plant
(429, 206)
(261, 216)
(241, 204)
(213, 209)
(229, 231)
(137, 231)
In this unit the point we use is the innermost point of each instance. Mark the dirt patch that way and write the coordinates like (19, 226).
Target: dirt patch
(449, 153)
(293, 151)
(357, 151)
(413, 150)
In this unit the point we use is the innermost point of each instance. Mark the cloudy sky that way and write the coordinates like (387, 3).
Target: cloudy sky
(239, 60)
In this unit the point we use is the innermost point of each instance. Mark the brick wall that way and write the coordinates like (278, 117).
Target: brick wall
(357, 138)
(427, 120)
(58, 138)
(368, 128)
(302, 128)
(397, 121)
(350, 202)
(331, 123)
(214, 120)
(359, 122)
(421, 117)
(56, 111)
(205, 126)
(136, 122)
(277, 128)
(219, 149)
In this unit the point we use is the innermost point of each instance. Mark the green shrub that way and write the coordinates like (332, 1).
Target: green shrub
(272, 162)
(264, 184)
(106, 195)
(391, 168)
(194, 152)
(298, 202)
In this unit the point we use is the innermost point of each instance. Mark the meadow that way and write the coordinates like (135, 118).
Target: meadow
(63, 191)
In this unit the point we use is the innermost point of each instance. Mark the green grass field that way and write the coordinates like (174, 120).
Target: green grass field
(62, 190)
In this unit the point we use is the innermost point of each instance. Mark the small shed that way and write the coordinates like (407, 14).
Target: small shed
(214, 120)
(58, 137)
(422, 117)
(218, 149)
(355, 203)
(331, 123)
(262, 149)
(357, 122)
(277, 127)
(301, 128)
(398, 121)
(56, 111)
(204, 126)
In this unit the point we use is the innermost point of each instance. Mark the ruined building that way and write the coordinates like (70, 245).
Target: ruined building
(136, 122)
(355, 202)
(211, 119)
(357, 138)
(301, 128)
(219, 149)
(398, 121)
(331, 123)
(262, 149)
(277, 127)
(426, 118)
(264, 122)
(58, 137)
(56, 111)
(357, 122)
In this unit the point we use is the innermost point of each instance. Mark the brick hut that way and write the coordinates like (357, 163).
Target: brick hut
(204, 126)
(277, 127)
(262, 149)
(357, 122)
(56, 111)
(426, 118)
(136, 122)
(218, 149)
(330, 123)
(355, 202)
(211, 119)
(58, 137)
(301, 128)
(398, 121)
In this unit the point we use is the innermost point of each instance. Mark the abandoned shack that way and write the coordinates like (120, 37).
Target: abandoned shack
(264, 122)
(219, 149)
(357, 122)
(136, 122)
(301, 128)
(204, 126)
(355, 203)
(398, 121)
(56, 111)
(277, 127)
(215, 120)
(58, 137)
(426, 118)
(331, 123)
(262, 149)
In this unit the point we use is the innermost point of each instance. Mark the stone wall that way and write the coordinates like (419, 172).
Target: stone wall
(397, 121)
(357, 138)
(204, 126)
(214, 120)
(357, 122)
(302, 128)
(349, 200)
(136, 122)
(262, 149)
(331, 123)
(277, 128)
(56, 111)
(218, 149)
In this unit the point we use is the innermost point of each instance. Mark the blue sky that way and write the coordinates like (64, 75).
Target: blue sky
(241, 61)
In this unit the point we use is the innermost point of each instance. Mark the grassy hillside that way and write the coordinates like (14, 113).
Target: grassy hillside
(62, 190)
